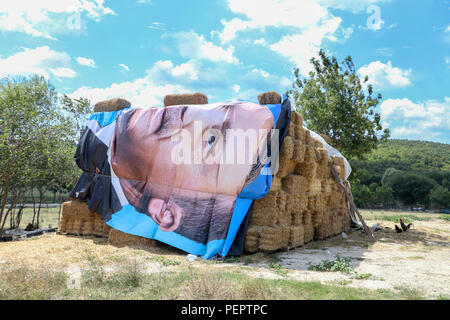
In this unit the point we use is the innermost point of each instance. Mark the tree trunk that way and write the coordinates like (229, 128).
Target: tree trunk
(41, 196)
(4, 199)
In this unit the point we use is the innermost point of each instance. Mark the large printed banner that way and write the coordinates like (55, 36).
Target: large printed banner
(183, 175)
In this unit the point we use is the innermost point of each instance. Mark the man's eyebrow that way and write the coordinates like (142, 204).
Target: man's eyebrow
(183, 111)
(162, 121)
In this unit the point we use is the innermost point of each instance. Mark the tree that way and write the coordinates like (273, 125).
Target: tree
(440, 197)
(37, 142)
(410, 188)
(384, 196)
(333, 102)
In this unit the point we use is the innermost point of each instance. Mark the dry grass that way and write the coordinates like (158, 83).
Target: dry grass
(36, 269)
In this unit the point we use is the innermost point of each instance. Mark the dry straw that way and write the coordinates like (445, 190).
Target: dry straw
(304, 203)
(111, 105)
(185, 99)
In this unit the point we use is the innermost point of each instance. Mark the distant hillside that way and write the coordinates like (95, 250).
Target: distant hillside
(424, 176)
(407, 155)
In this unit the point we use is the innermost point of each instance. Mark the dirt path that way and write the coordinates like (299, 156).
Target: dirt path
(417, 260)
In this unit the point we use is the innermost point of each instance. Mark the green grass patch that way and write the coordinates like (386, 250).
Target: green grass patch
(132, 282)
(338, 265)
(445, 217)
(164, 261)
(407, 218)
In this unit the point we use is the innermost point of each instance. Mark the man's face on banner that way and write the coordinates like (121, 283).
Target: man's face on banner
(142, 156)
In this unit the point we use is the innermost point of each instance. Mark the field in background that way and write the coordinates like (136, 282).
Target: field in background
(410, 265)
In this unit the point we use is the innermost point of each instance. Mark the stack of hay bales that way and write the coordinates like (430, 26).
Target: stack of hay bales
(305, 202)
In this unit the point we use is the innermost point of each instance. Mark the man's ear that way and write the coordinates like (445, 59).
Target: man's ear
(166, 215)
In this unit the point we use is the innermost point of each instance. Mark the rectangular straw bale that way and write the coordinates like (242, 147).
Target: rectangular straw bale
(88, 226)
(308, 233)
(282, 200)
(269, 201)
(300, 134)
(306, 217)
(336, 226)
(284, 218)
(286, 166)
(264, 216)
(274, 238)
(326, 187)
(323, 156)
(299, 151)
(315, 185)
(294, 184)
(308, 138)
(76, 228)
(297, 217)
(252, 239)
(293, 203)
(317, 218)
(276, 184)
(297, 118)
(287, 149)
(310, 154)
(322, 232)
(296, 236)
(316, 143)
(306, 169)
(291, 130)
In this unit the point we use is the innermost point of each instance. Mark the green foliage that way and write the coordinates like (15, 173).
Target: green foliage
(333, 102)
(414, 170)
(37, 142)
(340, 264)
(410, 188)
(440, 196)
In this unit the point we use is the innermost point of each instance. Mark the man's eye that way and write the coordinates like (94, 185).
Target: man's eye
(211, 139)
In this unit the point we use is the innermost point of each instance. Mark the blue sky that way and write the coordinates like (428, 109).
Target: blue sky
(142, 50)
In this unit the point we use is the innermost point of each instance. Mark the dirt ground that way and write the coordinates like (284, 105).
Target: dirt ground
(418, 260)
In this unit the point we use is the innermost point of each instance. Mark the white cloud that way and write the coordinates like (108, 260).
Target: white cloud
(161, 79)
(275, 13)
(63, 72)
(157, 26)
(44, 18)
(41, 60)
(86, 62)
(261, 81)
(124, 67)
(354, 6)
(260, 41)
(236, 88)
(301, 47)
(309, 22)
(428, 120)
(192, 45)
(447, 29)
(385, 76)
